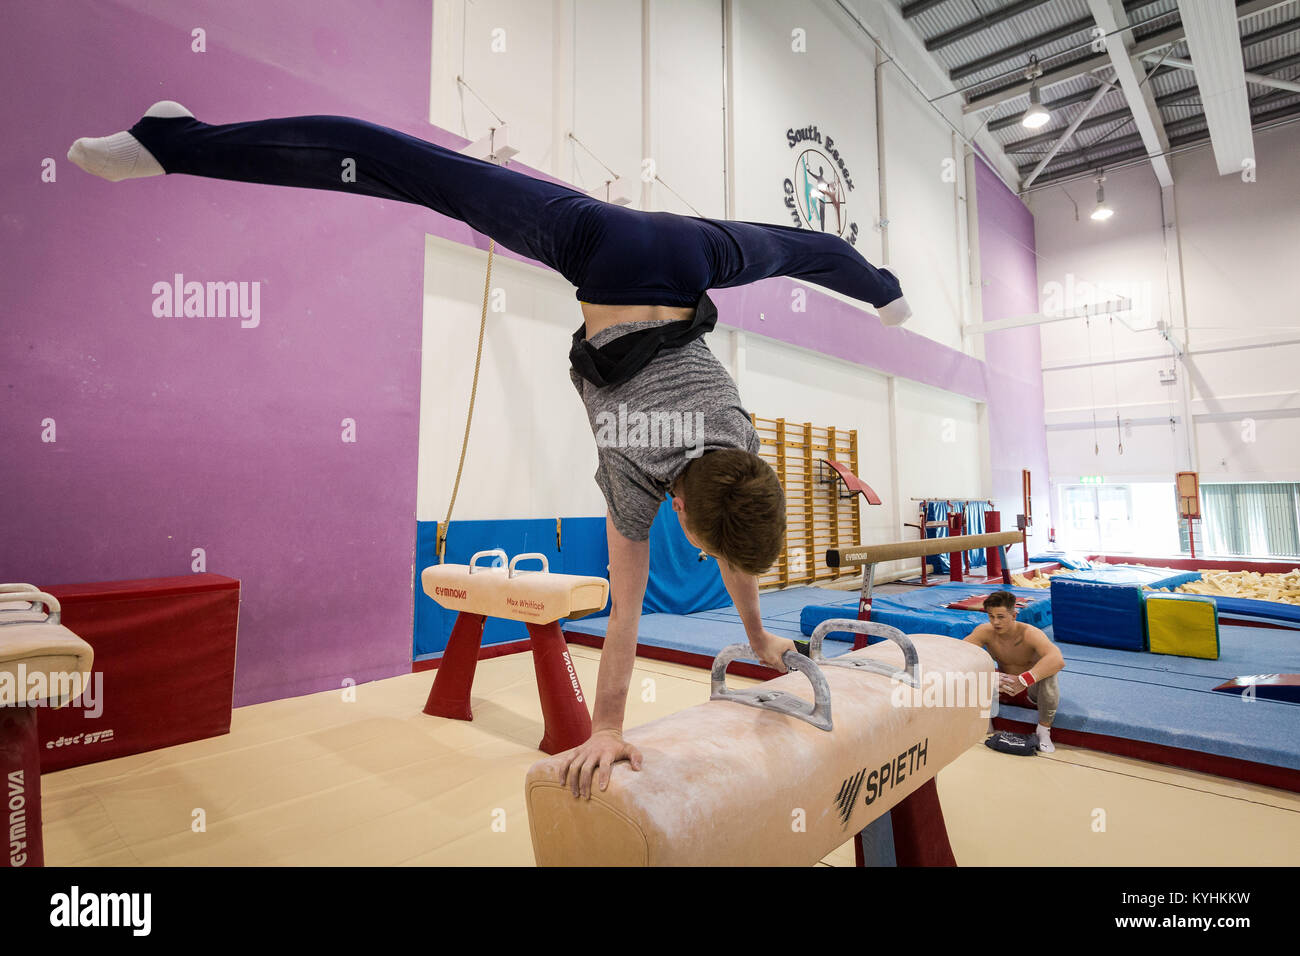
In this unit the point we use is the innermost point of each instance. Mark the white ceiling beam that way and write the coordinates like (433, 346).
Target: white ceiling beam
(1215, 46)
(1110, 16)
(1259, 79)
(1159, 41)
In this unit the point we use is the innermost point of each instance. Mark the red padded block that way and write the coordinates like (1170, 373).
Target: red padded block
(164, 670)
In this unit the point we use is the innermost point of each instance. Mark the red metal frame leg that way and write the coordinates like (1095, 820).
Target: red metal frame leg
(920, 835)
(564, 709)
(20, 769)
(451, 686)
(993, 556)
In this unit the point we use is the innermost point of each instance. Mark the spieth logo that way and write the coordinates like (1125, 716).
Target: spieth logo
(817, 192)
(888, 776)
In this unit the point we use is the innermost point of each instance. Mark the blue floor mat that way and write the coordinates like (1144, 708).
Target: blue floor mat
(925, 611)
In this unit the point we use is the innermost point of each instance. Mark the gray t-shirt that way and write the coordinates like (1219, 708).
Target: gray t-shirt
(649, 428)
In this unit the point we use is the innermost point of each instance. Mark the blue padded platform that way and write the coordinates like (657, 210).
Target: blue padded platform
(924, 611)
(1068, 560)
(1098, 615)
(1136, 574)
(1271, 611)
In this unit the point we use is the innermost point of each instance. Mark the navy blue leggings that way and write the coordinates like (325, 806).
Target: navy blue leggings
(614, 255)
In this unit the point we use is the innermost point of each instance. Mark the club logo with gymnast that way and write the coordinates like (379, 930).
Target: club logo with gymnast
(817, 191)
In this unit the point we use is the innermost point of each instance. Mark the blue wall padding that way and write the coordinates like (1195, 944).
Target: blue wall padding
(680, 583)
(1098, 615)
(924, 612)
(1136, 574)
(939, 511)
(583, 551)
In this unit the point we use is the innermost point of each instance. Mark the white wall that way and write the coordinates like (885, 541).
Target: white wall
(530, 451)
(1232, 302)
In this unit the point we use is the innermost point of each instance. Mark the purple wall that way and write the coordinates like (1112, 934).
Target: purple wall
(183, 433)
(1013, 358)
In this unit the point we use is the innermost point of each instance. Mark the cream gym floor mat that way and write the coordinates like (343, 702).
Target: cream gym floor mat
(322, 781)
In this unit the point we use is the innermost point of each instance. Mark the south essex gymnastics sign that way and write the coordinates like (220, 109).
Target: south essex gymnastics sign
(817, 192)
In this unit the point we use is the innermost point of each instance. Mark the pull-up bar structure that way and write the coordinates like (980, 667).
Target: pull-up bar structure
(867, 556)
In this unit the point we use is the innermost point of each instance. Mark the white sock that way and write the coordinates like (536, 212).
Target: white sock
(895, 313)
(122, 156)
(1045, 744)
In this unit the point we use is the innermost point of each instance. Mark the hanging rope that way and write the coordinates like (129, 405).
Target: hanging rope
(473, 392)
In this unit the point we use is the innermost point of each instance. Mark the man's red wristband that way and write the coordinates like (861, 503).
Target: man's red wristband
(1028, 678)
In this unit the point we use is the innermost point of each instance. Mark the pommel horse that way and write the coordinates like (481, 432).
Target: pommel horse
(42, 664)
(867, 556)
(539, 599)
(783, 781)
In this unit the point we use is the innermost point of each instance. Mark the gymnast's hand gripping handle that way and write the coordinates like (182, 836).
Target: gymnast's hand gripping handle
(911, 672)
(817, 713)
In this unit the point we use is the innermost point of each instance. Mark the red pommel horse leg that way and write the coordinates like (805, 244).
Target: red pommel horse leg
(537, 598)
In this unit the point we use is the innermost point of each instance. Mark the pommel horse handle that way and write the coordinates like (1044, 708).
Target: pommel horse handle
(31, 595)
(911, 672)
(546, 566)
(817, 713)
(493, 551)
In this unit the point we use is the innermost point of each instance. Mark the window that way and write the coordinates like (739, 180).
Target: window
(1247, 519)
(1098, 518)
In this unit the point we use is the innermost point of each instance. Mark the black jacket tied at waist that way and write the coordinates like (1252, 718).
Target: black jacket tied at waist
(617, 361)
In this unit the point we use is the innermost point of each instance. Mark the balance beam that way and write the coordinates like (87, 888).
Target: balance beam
(875, 553)
(729, 785)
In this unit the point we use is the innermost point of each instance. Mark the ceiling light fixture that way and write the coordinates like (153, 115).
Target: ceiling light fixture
(1037, 115)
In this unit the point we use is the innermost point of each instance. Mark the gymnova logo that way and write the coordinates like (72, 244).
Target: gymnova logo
(947, 689)
(817, 190)
(573, 677)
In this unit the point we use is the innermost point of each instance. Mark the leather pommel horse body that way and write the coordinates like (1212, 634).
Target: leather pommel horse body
(784, 780)
(537, 598)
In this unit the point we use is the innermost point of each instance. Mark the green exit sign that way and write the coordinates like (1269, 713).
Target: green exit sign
(1091, 479)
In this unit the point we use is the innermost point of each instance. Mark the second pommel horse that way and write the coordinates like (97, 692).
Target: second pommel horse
(537, 598)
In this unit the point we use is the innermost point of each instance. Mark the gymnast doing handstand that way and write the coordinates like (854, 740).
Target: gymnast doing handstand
(642, 281)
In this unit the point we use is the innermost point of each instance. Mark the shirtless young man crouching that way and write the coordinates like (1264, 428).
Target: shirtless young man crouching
(1026, 658)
